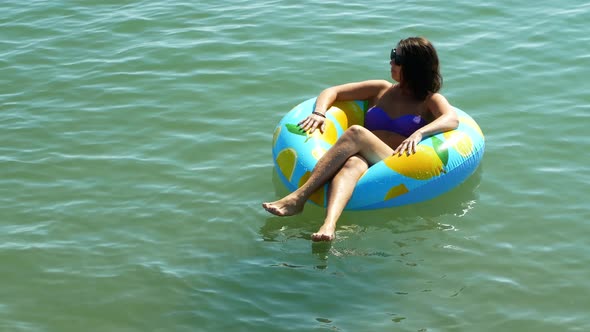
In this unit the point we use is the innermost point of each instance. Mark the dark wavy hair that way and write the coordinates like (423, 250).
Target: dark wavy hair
(420, 68)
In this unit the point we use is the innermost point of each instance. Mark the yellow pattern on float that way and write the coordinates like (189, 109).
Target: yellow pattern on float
(459, 141)
(471, 123)
(286, 160)
(395, 191)
(318, 152)
(422, 165)
(275, 135)
(353, 111)
(330, 134)
(340, 117)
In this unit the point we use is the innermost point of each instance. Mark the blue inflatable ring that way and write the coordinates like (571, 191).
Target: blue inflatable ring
(442, 161)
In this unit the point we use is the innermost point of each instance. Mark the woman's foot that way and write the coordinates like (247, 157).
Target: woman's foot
(325, 233)
(284, 207)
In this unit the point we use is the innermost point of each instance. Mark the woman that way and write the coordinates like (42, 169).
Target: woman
(401, 116)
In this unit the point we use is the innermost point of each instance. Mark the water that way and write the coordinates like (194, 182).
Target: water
(136, 152)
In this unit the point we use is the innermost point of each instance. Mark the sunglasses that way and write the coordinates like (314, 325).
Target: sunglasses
(396, 58)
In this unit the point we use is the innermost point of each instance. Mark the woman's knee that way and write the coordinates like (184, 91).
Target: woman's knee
(355, 131)
(355, 164)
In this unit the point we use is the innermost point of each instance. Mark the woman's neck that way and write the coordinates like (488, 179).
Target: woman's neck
(405, 91)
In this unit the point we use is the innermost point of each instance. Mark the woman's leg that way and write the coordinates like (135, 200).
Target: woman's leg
(355, 140)
(339, 194)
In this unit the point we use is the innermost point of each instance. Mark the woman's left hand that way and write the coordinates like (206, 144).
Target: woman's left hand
(313, 122)
(409, 144)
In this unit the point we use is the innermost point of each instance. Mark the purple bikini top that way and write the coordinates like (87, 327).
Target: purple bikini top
(405, 125)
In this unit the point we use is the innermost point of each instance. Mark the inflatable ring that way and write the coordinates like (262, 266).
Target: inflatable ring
(441, 162)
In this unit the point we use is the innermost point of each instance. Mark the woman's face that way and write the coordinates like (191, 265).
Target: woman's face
(395, 63)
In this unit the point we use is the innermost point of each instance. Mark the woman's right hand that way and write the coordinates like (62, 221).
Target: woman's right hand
(313, 122)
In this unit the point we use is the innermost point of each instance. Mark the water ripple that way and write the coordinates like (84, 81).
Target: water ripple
(135, 154)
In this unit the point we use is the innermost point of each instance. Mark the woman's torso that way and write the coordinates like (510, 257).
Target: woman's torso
(396, 112)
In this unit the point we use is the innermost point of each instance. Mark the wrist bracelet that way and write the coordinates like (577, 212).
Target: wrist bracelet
(318, 113)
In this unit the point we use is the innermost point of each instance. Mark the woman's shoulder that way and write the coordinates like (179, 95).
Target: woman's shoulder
(383, 84)
(364, 85)
(361, 90)
(437, 103)
(435, 99)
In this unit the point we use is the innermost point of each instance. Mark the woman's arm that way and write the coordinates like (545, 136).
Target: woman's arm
(445, 119)
(350, 91)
